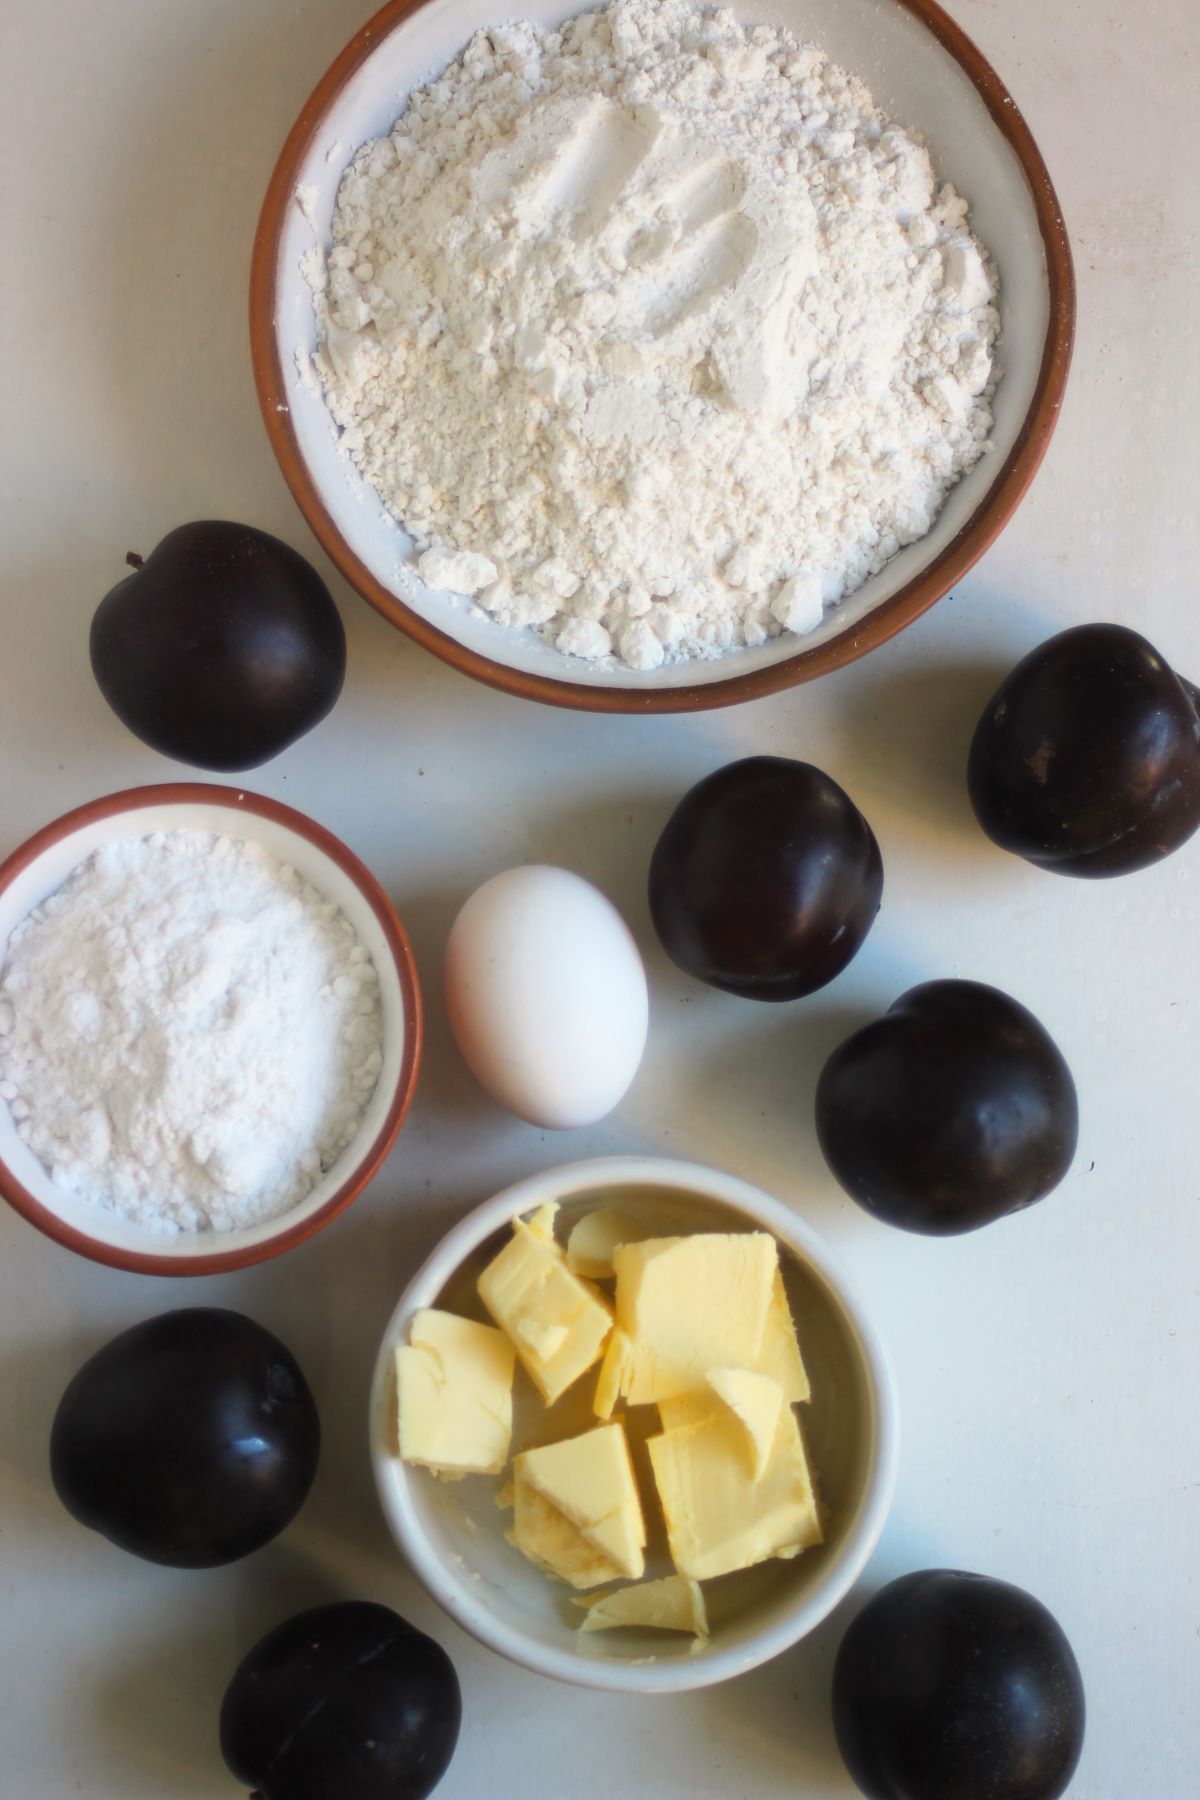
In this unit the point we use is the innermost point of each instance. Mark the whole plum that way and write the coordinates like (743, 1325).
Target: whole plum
(766, 879)
(191, 1439)
(949, 1686)
(953, 1109)
(346, 1702)
(1087, 758)
(222, 648)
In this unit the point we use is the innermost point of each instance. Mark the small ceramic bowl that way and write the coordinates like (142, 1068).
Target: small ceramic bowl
(453, 1535)
(925, 73)
(41, 866)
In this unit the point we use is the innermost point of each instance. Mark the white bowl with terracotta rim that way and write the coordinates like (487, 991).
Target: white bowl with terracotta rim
(926, 74)
(43, 863)
(452, 1534)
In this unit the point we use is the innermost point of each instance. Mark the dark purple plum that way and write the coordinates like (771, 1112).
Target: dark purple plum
(766, 879)
(1087, 758)
(346, 1702)
(221, 649)
(953, 1109)
(950, 1686)
(191, 1439)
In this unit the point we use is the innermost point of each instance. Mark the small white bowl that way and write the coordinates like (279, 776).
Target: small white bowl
(41, 865)
(453, 1535)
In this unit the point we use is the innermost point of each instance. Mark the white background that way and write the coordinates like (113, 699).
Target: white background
(1047, 1366)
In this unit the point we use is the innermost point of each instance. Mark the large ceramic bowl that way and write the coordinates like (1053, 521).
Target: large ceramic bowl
(41, 865)
(453, 1536)
(927, 75)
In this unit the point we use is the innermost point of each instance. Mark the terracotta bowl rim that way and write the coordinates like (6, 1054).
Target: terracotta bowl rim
(981, 530)
(236, 800)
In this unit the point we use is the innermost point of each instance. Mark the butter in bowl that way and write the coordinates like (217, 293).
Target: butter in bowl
(630, 1429)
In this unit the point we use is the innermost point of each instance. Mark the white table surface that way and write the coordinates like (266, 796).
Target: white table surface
(1048, 1365)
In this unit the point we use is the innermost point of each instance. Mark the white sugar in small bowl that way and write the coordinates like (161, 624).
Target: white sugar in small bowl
(452, 1533)
(40, 866)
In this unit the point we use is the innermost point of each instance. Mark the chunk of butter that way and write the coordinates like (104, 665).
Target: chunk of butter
(684, 1306)
(541, 1222)
(673, 1604)
(719, 1516)
(779, 1358)
(577, 1511)
(454, 1386)
(756, 1402)
(594, 1238)
(557, 1323)
(614, 1372)
(548, 1539)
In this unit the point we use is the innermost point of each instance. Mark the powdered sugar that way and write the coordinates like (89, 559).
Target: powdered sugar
(189, 1032)
(657, 319)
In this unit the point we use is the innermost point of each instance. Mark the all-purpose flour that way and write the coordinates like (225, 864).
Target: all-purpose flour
(653, 332)
(189, 1032)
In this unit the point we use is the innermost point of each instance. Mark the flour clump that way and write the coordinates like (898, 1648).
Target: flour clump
(658, 318)
(189, 1032)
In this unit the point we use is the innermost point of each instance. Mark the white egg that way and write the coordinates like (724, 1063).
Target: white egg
(547, 996)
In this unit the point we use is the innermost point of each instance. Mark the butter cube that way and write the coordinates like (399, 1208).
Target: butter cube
(577, 1511)
(688, 1305)
(557, 1323)
(673, 1604)
(614, 1372)
(779, 1358)
(550, 1540)
(594, 1238)
(454, 1386)
(541, 1222)
(756, 1402)
(719, 1516)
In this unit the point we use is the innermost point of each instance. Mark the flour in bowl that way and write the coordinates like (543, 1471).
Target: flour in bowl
(654, 333)
(189, 1032)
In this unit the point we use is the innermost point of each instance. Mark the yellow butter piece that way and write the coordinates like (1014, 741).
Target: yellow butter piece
(539, 1337)
(758, 1418)
(673, 1604)
(690, 1304)
(541, 1222)
(687, 1409)
(558, 1324)
(756, 1402)
(614, 1371)
(594, 1238)
(454, 1389)
(577, 1510)
(541, 1533)
(779, 1356)
(719, 1517)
